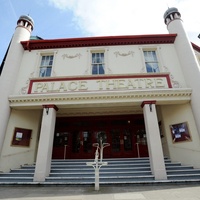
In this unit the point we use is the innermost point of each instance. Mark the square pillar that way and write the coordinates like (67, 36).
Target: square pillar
(154, 141)
(44, 154)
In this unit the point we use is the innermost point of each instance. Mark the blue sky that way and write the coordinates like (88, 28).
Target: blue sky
(81, 18)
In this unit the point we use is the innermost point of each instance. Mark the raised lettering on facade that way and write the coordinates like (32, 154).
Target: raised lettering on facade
(98, 85)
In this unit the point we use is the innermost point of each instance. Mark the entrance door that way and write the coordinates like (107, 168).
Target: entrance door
(122, 143)
(62, 142)
(73, 144)
(81, 145)
(74, 137)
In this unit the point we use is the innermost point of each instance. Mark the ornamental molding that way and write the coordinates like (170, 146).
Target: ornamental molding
(25, 88)
(130, 53)
(77, 55)
(99, 41)
(165, 96)
(175, 83)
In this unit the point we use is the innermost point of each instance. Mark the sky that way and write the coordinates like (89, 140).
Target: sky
(55, 19)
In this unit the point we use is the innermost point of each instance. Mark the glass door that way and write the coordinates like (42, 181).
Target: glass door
(82, 144)
(127, 140)
(115, 142)
(61, 145)
(122, 143)
(74, 136)
(87, 142)
(142, 148)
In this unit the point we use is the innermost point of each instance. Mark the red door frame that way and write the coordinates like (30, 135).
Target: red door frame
(94, 124)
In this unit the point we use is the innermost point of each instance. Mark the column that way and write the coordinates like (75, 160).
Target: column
(43, 160)
(153, 139)
(9, 75)
(187, 58)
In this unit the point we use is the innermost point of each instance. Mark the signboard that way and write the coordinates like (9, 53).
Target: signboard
(21, 137)
(103, 83)
(180, 132)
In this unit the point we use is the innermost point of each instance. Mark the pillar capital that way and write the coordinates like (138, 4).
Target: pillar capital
(148, 102)
(50, 106)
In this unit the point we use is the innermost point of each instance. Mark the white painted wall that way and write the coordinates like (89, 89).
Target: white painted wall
(14, 156)
(186, 152)
(197, 54)
(162, 132)
(115, 63)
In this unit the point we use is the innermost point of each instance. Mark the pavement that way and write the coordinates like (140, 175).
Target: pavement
(125, 192)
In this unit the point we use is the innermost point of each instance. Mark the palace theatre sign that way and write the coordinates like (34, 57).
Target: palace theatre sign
(99, 83)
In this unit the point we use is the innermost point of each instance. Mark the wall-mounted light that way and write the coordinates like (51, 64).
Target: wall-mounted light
(150, 107)
(47, 110)
(47, 107)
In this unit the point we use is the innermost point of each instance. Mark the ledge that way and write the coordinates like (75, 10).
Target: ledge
(90, 99)
(99, 41)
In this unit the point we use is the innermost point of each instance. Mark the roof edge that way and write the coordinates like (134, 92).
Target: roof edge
(98, 41)
(195, 47)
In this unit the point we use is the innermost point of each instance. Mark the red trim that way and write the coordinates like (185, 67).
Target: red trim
(195, 47)
(148, 102)
(99, 77)
(95, 77)
(99, 41)
(30, 86)
(51, 106)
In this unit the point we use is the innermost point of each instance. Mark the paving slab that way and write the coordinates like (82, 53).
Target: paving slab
(124, 192)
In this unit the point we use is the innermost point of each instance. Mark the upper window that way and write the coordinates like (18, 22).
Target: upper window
(151, 61)
(46, 66)
(98, 65)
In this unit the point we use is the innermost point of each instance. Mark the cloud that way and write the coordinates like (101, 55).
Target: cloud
(189, 10)
(125, 17)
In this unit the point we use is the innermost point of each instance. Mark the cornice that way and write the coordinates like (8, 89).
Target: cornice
(162, 97)
(99, 41)
(195, 47)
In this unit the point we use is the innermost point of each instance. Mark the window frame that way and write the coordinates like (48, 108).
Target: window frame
(39, 58)
(46, 67)
(98, 51)
(157, 61)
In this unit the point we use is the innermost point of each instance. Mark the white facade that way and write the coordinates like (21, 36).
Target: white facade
(168, 97)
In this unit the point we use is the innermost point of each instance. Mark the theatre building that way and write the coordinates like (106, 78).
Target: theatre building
(140, 93)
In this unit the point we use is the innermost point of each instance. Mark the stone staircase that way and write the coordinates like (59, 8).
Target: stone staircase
(118, 171)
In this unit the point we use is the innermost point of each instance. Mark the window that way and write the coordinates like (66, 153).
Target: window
(98, 66)
(151, 61)
(46, 66)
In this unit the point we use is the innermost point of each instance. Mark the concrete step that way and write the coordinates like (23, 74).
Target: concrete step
(105, 174)
(183, 171)
(113, 165)
(90, 169)
(184, 177)
(105, 159)
(23, 170)
(8, 179)
(109, 179)
(180, 167)
(16, 175)
(118, 171)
